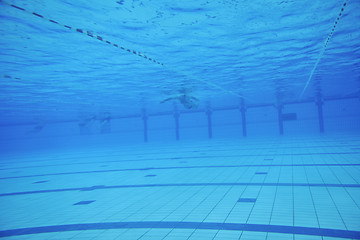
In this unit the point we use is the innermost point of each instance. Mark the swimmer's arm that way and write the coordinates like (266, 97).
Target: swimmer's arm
(167, 99)
(194, 98)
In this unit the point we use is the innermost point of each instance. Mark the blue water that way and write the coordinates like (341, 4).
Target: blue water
(179, 119)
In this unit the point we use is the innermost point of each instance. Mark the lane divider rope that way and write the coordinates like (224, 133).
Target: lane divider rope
(323, 49)
(88, 33)
(140, 54)
(11, 77)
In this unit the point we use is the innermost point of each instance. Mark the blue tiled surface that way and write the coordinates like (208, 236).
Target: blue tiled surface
(221, 192)
(179, 167)
(187, 225)
(179, 185)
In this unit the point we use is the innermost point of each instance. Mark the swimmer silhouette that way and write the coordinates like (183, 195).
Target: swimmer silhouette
(185, 99)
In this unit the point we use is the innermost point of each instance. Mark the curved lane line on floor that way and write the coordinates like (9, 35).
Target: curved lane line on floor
(185, 167)
(325, 232)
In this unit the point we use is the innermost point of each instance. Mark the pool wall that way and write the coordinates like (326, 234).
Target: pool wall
(339, 116)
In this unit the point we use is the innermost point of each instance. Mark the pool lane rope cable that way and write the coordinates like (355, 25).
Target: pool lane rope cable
(10, 77)
(140, 54)
(321, 54)
(87, 33)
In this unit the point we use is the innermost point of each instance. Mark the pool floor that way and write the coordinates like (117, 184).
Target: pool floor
(280, 188)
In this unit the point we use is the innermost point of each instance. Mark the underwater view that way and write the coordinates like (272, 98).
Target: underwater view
(206, 119)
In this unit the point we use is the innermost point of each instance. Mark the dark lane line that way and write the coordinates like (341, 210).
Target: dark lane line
(325, 232)
(172, 158)
(186, 167)
(102, 187)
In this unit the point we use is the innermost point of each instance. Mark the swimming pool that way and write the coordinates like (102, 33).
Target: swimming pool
(292, 188)
(179, 120)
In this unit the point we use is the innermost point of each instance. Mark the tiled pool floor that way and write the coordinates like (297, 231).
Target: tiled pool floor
(285, 188)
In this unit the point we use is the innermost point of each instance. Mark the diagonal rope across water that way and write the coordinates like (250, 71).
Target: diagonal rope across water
(321, 54)
(140, 54)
